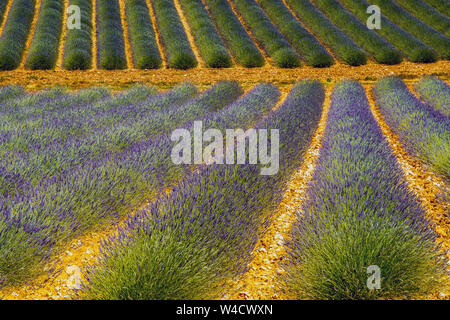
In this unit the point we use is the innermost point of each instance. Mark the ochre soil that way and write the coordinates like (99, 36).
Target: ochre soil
(428, 186)
(203, 77)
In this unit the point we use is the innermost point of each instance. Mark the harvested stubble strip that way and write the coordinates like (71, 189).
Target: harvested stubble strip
(428, 14)
(97, 192)
(442, 5)
(273, 42)
(424, 132)
(211, 46)
(43, 51)
(15, 33)
(414, 49)
(405, 20)
(188, 244)
(341, 44)
(382, 51)
(78, 44)
(176, 44)
(240, 43)
(146, 54)
(110, 40)
(436, 93)
(305, 43)
(25, 137)
(358, 213)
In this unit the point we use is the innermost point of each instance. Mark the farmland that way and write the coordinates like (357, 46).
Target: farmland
(114, 35)
(99, 201)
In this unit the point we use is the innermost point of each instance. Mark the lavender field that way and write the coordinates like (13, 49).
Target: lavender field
(75, 163)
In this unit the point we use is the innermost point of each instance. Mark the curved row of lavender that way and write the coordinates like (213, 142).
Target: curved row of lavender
(71, 131)
(424, 132)
(436, 93)
(69, 200)
(189, 244)
(359, 212)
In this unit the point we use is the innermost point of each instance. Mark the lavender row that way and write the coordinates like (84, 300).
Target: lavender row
(190, 243)
(424, 132)
(44, 46)
(359, 213)
(146, 53)
(436, 93)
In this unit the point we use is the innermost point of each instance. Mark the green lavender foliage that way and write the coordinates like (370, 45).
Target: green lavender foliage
(146, 54)
(277, 47)
(236, 37)
(414, 49)
(306, 45)
(110, 40)
(78, 45)
(344, 47)
(178, 51)
(417, 28)
(428, 14)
